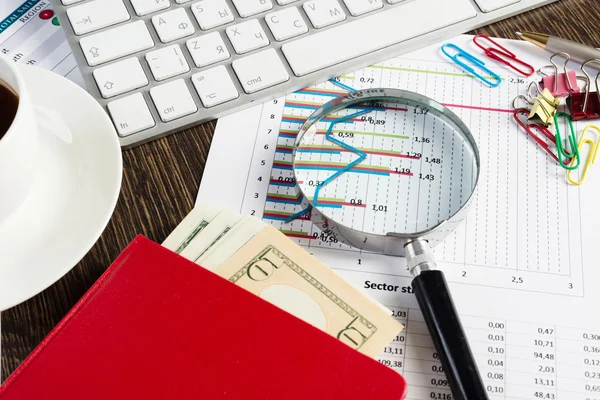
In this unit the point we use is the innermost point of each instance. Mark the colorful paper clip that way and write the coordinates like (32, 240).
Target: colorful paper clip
(543, 104)
(560, 84)
(586, 105)
(591, 158)
(544, 141)
(503, 55)
(477, 63)
(567, 163)
(566, 71)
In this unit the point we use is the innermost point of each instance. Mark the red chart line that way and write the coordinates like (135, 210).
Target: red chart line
(479, 108)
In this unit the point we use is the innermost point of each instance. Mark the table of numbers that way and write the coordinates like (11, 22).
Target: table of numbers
(517, 360)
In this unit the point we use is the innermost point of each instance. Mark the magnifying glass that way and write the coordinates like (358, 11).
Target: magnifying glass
(393, 172)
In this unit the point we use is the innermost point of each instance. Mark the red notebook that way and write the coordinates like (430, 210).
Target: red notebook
(156, 326)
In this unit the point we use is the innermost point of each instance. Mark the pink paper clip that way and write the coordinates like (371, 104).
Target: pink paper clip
(501, 54)
(545, 133)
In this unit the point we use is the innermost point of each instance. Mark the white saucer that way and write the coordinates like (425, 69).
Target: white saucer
(74, 196)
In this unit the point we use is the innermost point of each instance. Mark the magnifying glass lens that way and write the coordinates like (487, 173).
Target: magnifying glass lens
(386, 167)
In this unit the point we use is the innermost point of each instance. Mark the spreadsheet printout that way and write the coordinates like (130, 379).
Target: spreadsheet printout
(523, 266)
(30, 34)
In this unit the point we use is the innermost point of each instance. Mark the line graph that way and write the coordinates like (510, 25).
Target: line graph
(500, 213)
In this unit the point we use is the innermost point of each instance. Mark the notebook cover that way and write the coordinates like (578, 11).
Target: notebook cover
(157, 326)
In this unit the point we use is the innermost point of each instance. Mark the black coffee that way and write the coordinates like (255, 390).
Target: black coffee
(9, 102)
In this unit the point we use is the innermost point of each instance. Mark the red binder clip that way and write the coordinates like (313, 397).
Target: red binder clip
(586, 105)
(546, 137)
(501, 54)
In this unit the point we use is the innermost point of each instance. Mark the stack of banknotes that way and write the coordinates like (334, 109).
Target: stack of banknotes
(262, 260)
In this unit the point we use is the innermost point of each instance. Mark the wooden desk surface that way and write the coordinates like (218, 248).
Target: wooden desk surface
(161, 180)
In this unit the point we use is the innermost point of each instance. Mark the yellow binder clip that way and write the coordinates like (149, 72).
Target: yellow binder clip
(544, 105)
(591, 158)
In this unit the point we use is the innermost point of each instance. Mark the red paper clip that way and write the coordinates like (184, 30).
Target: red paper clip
(540, 128)
(499, 53)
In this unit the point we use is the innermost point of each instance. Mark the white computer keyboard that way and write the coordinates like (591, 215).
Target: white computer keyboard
(160, 66)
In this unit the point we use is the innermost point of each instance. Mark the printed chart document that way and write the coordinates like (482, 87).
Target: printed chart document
(523, 268)
(30, 33)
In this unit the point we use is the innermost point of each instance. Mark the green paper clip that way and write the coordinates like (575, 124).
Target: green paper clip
(572, 138)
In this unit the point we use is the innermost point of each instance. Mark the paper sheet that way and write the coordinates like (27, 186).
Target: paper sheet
(30, 33)
(522, 269)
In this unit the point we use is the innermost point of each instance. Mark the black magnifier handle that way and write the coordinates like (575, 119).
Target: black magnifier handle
(436, 304)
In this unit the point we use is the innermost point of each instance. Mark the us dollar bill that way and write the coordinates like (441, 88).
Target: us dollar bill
(216, 230)
(238, 236)
(192, 226)
(278, 270)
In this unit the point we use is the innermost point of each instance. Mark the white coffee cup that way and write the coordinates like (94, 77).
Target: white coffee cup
(18, 147)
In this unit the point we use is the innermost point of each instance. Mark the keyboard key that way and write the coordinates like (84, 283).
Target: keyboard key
(214, 86)
(286, 24)
(130, 114)
(493, 5)
(173, 25)
(247, 36)
(69, 2)
(260, 71)
(115, 43)
(323, 13)
(182, 1)
(145, 7)
(360, 7)
(416, 20)
(208, 49)
(212, 13)
(97, 14)
(285, 2)
(247, 8)
(173, 100)
(167, 62)
(395, 1)
(120, 77)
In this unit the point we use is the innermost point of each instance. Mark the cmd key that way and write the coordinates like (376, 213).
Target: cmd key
(260, 71)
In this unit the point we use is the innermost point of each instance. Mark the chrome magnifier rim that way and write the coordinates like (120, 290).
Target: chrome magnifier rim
(391, 243)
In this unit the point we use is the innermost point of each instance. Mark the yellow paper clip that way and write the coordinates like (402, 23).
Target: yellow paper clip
(591, 159)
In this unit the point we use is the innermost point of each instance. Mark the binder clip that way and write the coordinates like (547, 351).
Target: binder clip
(492, 79)
(560, 84)
(586, 105)
(543, 104)
(591, 158)
(501, 54)
(544, 140)
(565, 159)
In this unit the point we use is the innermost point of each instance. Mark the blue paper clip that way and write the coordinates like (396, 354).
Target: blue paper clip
(478, 63)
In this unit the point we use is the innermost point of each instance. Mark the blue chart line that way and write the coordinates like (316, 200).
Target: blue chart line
(328, 136)
(343, 86)
(298, 214)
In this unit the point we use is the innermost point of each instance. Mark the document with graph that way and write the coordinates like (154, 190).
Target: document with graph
(523, 267)
(30, 34)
